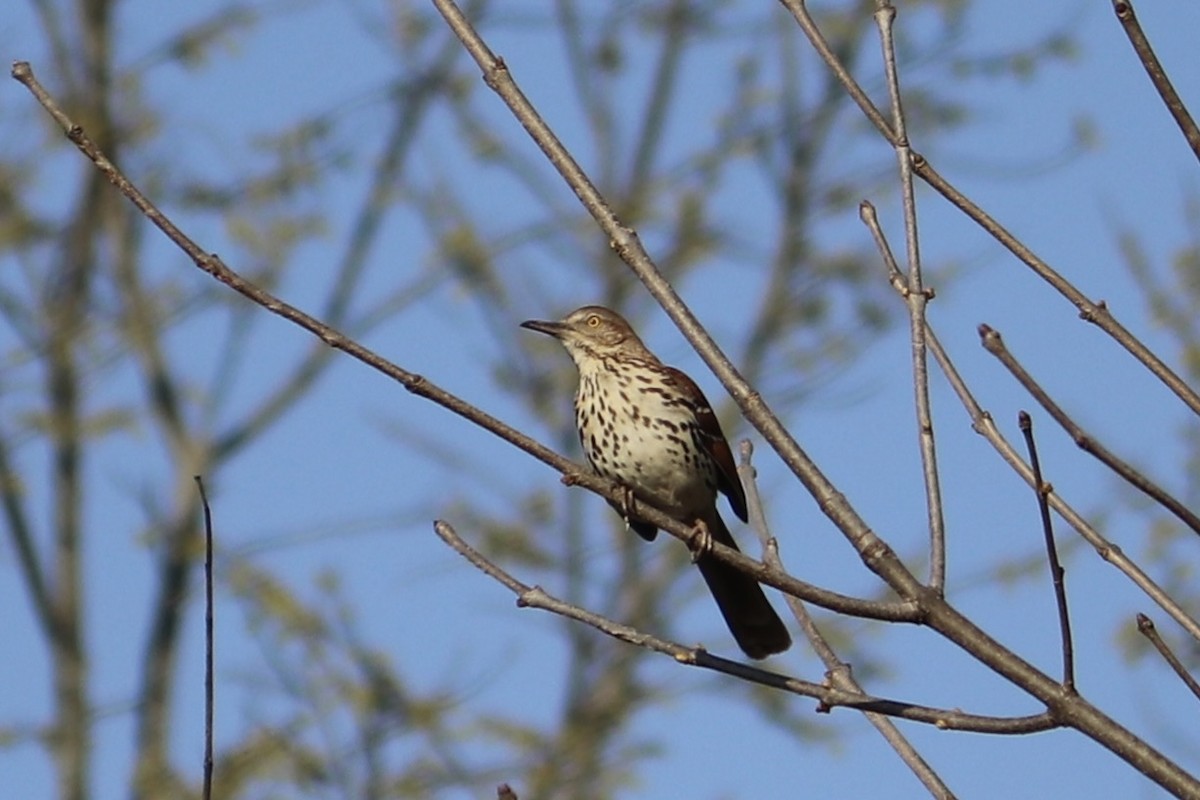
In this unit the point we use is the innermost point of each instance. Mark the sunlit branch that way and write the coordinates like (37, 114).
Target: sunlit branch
(837, 672)
(916, 299)
(983, 424)
(1146, 627)
(994, 344)
(1096, 313)
(1158, 76)
(418, 385)
(830, 697)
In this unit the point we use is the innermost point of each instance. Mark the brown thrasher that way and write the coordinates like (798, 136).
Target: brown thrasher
(650, 428)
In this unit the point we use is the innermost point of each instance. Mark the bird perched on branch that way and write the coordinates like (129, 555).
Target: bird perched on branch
(649, 427)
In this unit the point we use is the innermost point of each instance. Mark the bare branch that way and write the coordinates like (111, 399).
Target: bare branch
(1095, 312)
(908, 289)
(1158, 76)
(916, 299)
(837, 671)
(536, 597)
(983, 424)
(1041, 489)
(209, 704)
(994, 344)
(1146, 627)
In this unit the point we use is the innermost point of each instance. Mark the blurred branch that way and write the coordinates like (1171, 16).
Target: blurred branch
(421, 387)
(32, 569)
(411, 102)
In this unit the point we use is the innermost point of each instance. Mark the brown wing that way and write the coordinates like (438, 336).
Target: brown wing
(718, 447)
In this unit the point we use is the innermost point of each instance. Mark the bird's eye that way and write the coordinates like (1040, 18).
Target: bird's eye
(593, 321)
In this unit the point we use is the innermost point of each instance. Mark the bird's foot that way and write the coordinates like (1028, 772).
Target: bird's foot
(701, 541)
(627, 506)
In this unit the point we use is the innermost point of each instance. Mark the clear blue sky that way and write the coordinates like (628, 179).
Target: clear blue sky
(329, 462)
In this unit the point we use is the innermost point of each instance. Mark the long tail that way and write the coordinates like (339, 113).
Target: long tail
(754, 624)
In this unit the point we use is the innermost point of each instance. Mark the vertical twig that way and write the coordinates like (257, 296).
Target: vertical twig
(916, 298)
(1043, 489)
(208, 641)
(837, 672)
(983, 424)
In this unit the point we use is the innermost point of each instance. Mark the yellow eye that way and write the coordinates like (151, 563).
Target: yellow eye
(593, 321)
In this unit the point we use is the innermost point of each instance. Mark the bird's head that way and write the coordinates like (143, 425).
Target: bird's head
(592, 331)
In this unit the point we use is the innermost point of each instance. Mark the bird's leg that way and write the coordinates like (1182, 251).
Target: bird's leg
(626, 505)
(701, 541)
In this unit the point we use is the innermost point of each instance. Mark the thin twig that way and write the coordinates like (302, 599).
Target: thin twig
(808, 25)
(829, 697)
(1042, 489)
(1096, 313)
(983, 424)
(1158, 76)
(209, 691)
(994, 344)
(933, 493)
(1146, 627)
(916, 298)
(837, 672)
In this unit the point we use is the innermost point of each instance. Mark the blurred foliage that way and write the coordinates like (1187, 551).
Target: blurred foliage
(707, 124)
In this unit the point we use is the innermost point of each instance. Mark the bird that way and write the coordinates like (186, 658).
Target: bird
(648, 427)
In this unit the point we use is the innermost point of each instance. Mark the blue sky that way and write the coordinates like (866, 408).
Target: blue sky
(332, 461)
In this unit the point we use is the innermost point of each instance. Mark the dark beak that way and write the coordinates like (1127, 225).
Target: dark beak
(555, 329)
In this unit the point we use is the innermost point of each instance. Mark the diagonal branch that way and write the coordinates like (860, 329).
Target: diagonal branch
(1146, 627)
(837, 672)
(830, 697)
(418, 385)
(1158, 76)
(1096, 313)
(994, 344)
(983, 424)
